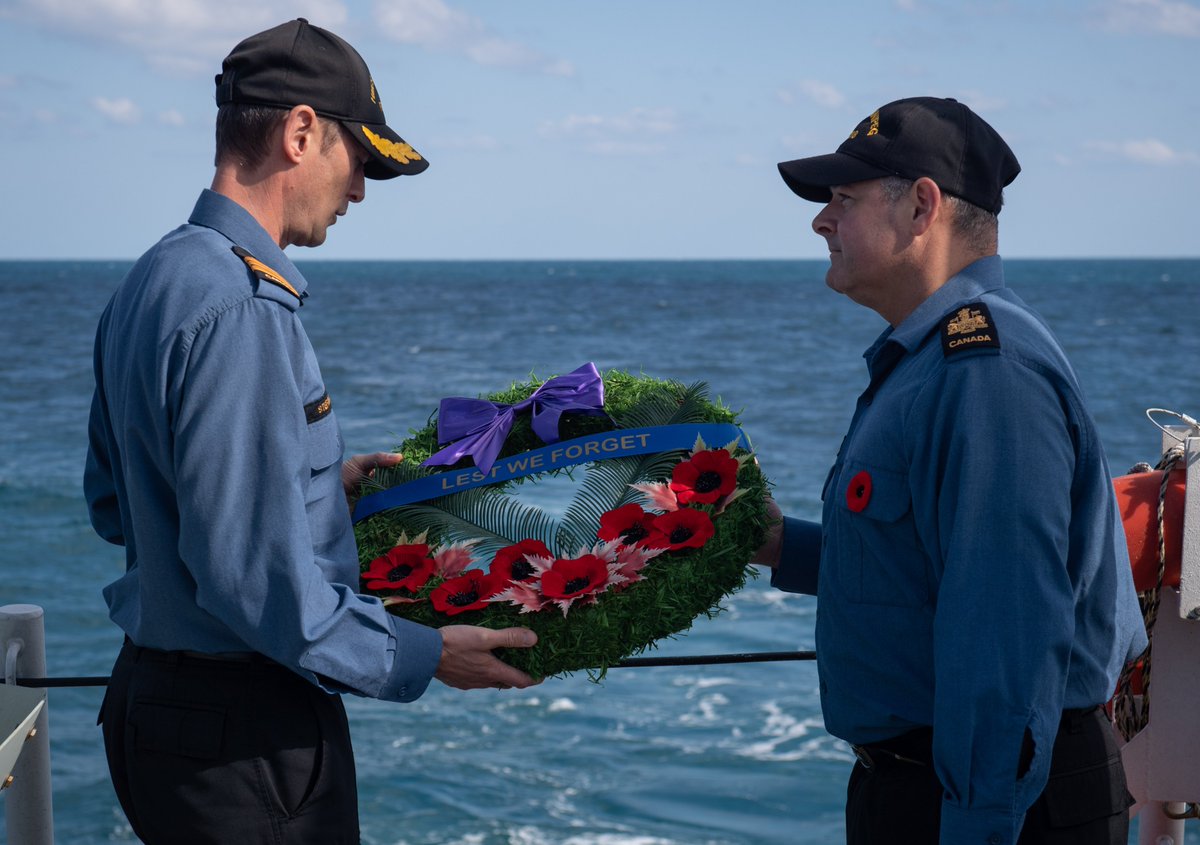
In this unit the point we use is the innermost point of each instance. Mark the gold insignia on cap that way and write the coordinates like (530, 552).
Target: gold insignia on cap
(966, 321)
(374, 94)
(401, 152)
(873, 129)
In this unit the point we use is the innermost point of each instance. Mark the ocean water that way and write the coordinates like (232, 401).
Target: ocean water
(724, 755)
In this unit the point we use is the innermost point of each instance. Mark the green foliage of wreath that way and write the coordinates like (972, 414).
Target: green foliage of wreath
(678, 587)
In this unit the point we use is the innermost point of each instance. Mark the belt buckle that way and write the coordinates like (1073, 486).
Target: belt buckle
(863, 757)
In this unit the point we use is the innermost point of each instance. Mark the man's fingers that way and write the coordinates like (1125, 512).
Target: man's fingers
(366, 464)
(515, 638)
(469, 660)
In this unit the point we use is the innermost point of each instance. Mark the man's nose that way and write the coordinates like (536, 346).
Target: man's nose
(823, 224)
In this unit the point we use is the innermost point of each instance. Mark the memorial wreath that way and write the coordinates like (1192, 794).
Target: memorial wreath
(661, 526)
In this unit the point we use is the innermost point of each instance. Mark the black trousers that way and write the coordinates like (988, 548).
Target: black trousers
(206, 751)
(1085, 802)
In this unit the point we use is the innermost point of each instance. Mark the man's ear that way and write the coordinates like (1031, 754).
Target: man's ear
(927, 204)
(301, 133)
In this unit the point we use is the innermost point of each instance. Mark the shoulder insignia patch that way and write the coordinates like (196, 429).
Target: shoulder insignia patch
(318, 410)
(969, 327)
(265, 273)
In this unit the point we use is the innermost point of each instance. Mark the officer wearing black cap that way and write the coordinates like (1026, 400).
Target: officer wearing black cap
(300, 63)
(975, 598)
(216, 460)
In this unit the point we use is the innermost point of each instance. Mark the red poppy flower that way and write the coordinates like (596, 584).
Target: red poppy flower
(469, 591)
(511, 564)
(858, 494)
(569, 579)
(402, 568)
(705, 477)
(628, 523)
(685, 528)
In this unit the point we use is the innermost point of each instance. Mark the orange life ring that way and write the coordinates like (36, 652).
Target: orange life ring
(1137, 499)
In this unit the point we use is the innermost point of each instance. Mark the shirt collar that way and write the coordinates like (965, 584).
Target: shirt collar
(220, 213)
(970, 283)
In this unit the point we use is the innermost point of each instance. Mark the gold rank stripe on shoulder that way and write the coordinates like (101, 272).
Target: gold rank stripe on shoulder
(969, 327)
(265, 273)
(320, 409)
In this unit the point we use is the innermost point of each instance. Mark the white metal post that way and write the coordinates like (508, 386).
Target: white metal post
(28, 803)
(1161, 762)
(1155, 827)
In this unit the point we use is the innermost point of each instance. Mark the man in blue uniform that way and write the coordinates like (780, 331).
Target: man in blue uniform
(215, 459)
(975, 603)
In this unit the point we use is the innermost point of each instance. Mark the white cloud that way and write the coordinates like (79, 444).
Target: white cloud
(1164, 17)
(171, 117)
(187, 37)
(474, 143)
(435, 25)
(638, 121)
(637, 132)
(821, 93)
(1147, 151)
(121, 110)
(611, 147)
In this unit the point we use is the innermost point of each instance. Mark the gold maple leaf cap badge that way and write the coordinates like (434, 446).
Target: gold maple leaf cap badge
(297, 63)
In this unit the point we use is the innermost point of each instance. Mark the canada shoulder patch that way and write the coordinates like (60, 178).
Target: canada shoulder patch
(969, 327)
(262, 271)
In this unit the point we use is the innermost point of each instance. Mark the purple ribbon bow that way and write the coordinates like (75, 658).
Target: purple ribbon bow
(478, 428)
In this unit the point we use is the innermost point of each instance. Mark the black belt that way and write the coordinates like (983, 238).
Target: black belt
(916, 746)
(246, 658)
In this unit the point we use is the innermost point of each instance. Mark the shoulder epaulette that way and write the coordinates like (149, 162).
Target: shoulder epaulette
(969, 327)
(265, 273)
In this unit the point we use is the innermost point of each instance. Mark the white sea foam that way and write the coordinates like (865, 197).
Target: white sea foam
(535, 836)
(702, 682)
(785, 738)
(707, 711)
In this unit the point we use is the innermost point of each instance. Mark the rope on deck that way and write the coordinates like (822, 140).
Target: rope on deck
(1130, 714)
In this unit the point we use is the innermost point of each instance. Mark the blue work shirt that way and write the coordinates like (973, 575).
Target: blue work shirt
(215, 460)
(970, 567)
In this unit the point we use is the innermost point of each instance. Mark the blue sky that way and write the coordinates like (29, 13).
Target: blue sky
(617, 129)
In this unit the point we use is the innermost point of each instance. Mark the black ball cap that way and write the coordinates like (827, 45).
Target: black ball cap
(911, 138)
(296, 64)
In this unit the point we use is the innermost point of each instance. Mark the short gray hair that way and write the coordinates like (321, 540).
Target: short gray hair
(977, 226)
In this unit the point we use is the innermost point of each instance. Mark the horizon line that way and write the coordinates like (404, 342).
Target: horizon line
(419, 260)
